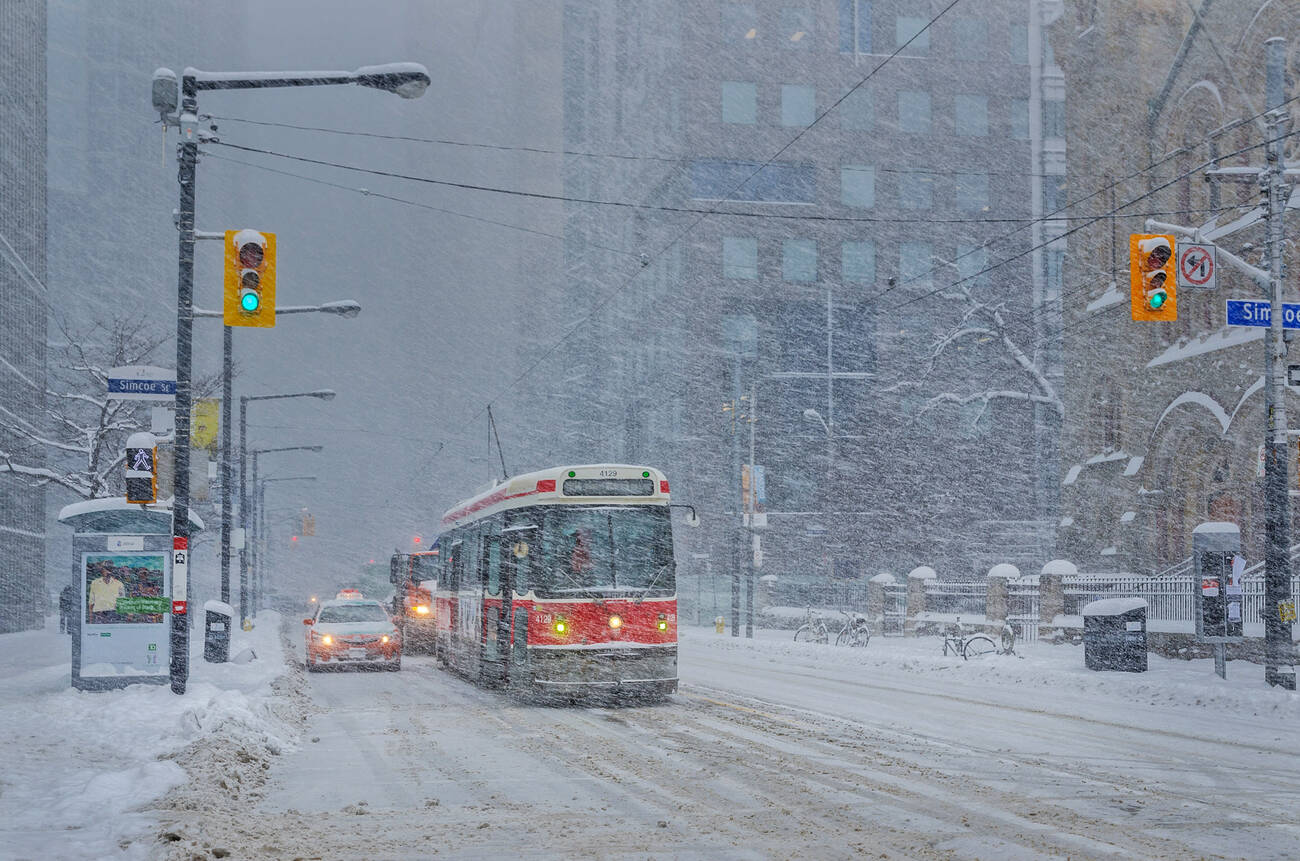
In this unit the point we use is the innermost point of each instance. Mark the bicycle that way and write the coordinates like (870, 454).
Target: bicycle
(974, 646)
(1008, 636)
(812, 630)
(856, 630)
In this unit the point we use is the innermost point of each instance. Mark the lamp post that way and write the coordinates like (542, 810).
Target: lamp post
(812, 415)
(259, 493)
(346, 308)
(408, 80)
(322, 394)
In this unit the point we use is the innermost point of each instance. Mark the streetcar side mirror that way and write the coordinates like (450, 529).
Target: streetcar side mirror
(693, 520)
(307, 621)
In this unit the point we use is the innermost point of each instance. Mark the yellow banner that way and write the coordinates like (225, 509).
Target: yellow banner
(204, 424)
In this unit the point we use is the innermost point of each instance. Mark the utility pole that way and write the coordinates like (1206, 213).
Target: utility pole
(1279, 653)
(738, 529)
(751, 497)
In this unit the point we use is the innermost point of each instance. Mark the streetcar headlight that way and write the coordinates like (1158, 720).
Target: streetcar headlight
(422, 610)
(327, 639)
(384, 639)
(663, 622)
(560, 626)
(616, 622)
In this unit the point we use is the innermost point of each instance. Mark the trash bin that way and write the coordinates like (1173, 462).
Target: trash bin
(1115, 635)
(218, 617)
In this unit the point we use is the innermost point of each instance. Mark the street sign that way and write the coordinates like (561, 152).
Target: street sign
(141, 383)
(1245, 312)
(1197, 266)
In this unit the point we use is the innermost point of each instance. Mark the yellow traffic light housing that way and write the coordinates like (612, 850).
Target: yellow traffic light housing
(1153, 287)
(249, 295)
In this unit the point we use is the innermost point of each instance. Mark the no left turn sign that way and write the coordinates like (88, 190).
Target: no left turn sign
(1197, 266)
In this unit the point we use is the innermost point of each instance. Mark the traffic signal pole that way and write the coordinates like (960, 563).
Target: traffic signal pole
(1279, 651)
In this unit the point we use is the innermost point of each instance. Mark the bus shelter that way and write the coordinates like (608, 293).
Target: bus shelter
(122, 566)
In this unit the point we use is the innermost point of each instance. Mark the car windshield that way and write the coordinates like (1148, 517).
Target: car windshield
(353, 613)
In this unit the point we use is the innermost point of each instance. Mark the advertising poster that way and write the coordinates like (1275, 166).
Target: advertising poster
(124, 588)
(124, 609)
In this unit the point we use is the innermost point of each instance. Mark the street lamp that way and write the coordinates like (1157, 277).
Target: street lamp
(320, 394)
(408, 80)
(812, 415)
(346, 308)
(259, 493)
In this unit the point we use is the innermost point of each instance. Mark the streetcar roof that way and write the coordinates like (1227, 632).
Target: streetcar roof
(547, 485)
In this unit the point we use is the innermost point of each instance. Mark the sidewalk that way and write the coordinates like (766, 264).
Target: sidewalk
(82, 767)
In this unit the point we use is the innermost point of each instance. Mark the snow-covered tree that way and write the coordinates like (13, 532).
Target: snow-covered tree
(82, 444)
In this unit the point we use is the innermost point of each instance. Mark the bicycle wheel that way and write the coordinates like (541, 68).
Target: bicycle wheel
(861, 636)
(978, 647)
(843, 639)
(803, 634)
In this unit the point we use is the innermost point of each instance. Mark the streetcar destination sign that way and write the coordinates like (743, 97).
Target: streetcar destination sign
(1244, 312)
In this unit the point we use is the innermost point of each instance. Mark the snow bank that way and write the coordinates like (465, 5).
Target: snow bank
(82, 768)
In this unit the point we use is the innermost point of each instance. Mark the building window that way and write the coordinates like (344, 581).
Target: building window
(1020, 119)
(799, 260)
(778, 182)
(857, 112)
(798, 105)
(915, 264)
(796, 28)
(914, 111)
(739, 24)
(1053, 118)
(739, 257)
(861, 26)
(915, 190)
(972, 191)
(971, 262)
(905, 28)
(970, 39)
(739, 102)
(1020, 44)
(858, 262)
(858, 186)
(971, 115)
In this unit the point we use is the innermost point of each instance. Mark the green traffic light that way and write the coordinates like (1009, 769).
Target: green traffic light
(250, 302)
(1156, 300)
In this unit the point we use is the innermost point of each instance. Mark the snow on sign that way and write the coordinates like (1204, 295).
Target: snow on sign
(1197, 266)
(1244, 312)
(141, 383)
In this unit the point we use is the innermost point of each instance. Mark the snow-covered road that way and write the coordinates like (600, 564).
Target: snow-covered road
(778, 749)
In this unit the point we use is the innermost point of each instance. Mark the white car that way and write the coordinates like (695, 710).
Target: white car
(352, 631)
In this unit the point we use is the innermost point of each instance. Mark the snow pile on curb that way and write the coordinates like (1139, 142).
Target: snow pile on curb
(82, 769)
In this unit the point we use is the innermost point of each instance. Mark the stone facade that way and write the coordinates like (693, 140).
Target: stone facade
(1163, 419)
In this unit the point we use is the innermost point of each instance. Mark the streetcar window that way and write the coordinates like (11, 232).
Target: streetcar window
(606, 549)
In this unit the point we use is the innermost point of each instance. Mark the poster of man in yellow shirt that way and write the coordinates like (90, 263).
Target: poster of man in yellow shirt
(115, 583)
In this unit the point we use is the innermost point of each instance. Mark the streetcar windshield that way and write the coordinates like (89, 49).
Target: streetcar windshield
(425, 567)
(612, 549)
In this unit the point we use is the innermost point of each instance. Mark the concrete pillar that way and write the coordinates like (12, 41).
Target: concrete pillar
(1051, 596)
(916, 580)
(995, 601)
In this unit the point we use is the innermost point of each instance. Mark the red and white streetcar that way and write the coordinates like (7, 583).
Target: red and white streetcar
(562, 582)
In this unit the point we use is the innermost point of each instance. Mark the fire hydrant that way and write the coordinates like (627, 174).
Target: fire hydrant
(720, 625)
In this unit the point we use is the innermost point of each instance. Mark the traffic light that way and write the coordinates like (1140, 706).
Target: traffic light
(250, 278)
(1152, 283)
